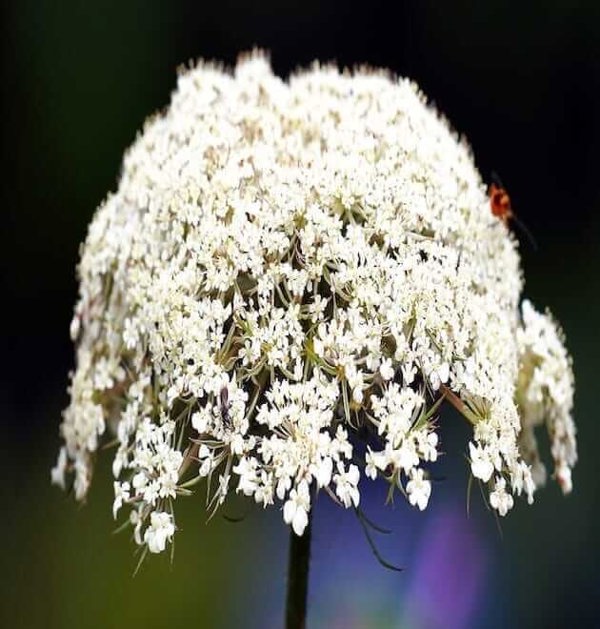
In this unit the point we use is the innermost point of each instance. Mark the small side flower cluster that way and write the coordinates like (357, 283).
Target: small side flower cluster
(545, 395)
(289, 282)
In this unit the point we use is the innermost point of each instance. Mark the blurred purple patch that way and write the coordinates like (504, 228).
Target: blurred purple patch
(450, 567)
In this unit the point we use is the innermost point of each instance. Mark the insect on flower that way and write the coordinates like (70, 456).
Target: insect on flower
(500, 203)
(501, 206)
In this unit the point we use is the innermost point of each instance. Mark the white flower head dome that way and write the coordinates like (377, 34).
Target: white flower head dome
(290, 279)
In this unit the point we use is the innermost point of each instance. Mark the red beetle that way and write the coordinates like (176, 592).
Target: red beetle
(500, 202)
(502, 208)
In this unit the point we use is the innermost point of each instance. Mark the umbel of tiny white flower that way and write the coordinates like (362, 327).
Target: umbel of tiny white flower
(287, 268)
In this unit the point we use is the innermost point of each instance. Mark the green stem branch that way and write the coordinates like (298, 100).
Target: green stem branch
(297, 584)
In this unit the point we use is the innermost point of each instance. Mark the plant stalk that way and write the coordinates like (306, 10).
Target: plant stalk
(297, 582)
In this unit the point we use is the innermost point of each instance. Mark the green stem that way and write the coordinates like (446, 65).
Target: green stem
(297, 585)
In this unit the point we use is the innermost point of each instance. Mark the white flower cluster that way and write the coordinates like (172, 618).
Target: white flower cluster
(289, 281)
(545, 395)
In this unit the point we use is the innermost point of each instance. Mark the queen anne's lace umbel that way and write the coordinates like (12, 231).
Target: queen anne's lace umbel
(289, 280)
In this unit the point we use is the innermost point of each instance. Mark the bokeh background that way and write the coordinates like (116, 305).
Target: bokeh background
(522, 81)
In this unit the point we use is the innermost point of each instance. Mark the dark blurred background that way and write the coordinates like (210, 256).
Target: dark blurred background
(521, 80)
